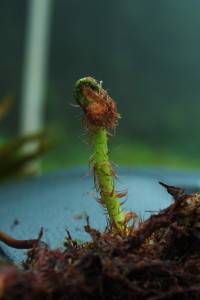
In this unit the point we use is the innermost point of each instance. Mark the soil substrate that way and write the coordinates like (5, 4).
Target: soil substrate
(159, 260)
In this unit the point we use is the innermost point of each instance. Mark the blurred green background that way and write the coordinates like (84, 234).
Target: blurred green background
(146, 52)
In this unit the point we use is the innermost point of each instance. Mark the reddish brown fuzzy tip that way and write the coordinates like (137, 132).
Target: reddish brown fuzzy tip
(101, 110)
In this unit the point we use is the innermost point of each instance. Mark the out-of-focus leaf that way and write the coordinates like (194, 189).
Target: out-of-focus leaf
(5, 105)
(13, 158)
(16, 144)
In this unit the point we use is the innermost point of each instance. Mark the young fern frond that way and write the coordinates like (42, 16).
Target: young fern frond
(100, 115)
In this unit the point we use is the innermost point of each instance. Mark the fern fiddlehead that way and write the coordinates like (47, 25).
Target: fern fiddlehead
(100, 115)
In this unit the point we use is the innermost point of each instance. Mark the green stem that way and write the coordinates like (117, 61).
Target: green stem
(105, 179)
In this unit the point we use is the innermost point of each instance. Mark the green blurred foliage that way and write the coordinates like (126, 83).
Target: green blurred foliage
(16, 160)
(147, 54)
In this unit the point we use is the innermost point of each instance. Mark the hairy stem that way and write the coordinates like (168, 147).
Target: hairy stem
(105, 179)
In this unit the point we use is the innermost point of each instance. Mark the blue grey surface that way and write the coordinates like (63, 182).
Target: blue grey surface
(52, 201)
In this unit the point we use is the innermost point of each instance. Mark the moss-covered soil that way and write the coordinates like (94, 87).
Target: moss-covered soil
(159, 260)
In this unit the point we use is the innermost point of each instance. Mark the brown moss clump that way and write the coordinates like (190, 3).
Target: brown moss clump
(160, 260)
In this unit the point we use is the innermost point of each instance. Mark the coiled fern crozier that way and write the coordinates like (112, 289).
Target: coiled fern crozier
(100, 115)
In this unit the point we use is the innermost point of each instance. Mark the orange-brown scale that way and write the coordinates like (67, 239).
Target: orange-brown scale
(101, 111)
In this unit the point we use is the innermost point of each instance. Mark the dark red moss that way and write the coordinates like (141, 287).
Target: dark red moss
(160, 260)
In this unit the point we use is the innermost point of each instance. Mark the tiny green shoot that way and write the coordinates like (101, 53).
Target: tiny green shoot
(100, 115)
